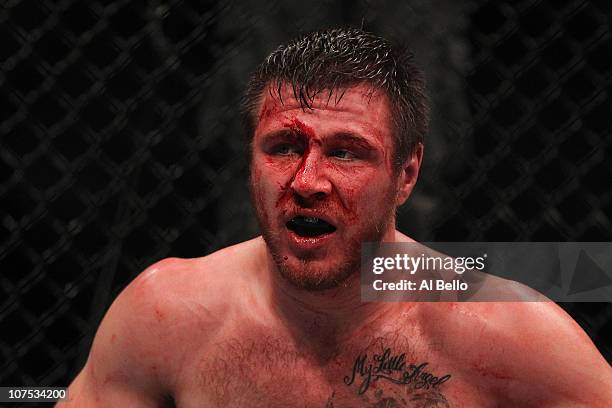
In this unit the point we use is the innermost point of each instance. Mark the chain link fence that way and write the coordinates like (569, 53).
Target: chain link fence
(121, 142)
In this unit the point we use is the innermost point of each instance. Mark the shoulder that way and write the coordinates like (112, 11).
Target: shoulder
(172, 307)
(174, 283)
(530, 349)
(175, 287)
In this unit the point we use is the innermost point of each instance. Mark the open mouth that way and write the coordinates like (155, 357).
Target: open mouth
(309, 226)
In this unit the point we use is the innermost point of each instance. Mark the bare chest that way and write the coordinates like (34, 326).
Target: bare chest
(273, 372)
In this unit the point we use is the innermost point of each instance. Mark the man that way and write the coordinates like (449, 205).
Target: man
(336, 122)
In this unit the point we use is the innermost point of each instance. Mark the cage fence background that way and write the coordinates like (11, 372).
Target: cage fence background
(121, 142)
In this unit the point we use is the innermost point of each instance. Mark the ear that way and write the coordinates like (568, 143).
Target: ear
(409, 174)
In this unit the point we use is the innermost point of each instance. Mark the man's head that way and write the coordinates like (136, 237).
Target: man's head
(336, 121)
(335, 59)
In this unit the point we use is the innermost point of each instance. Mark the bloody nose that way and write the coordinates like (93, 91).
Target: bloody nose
(310, 180)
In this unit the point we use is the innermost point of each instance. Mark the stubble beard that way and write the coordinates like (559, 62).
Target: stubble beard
(306, 272)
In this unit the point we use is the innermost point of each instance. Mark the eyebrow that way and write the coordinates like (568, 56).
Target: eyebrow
(353, 138)
(284, 134)
(340, 137)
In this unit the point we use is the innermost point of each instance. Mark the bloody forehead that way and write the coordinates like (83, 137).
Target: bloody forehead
(280, 108)
(300, 127)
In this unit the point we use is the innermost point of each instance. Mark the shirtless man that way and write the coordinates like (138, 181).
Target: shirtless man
(336, 121)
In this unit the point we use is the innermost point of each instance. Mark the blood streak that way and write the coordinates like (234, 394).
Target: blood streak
(300, 127)
(267, 111)
(159, 314)
(285, 196)
(488, 372)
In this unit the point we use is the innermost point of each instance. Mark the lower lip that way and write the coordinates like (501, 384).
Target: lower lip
(308, 243)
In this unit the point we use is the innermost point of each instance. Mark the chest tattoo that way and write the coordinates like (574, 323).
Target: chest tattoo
(408, 384)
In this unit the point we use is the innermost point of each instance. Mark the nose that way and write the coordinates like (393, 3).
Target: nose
(310, 180)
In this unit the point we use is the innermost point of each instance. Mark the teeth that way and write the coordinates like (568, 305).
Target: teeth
(309, 226)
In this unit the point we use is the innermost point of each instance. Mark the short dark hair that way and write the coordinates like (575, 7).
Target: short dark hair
(336, 59)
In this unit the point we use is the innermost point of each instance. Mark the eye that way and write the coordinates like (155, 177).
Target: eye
(285, 149)
(342, 154)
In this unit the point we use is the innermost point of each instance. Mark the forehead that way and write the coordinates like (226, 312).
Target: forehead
(340, 98)
(358, 108)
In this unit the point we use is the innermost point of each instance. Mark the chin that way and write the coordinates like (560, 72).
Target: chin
(316, 275)
(319, 264)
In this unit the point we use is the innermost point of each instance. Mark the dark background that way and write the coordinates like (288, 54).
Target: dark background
(121, 142)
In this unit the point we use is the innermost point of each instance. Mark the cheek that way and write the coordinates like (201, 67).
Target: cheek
(365, 189)
(270, 168)
(349, 176)
(268, 181)
(255, 187)
(275, 167)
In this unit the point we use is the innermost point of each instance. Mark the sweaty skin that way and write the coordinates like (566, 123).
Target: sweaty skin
(333, 162)
(244, 327)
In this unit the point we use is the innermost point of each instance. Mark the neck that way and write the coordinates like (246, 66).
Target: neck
(327, 317)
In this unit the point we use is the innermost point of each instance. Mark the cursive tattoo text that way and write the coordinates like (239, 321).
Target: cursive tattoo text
(392, 368)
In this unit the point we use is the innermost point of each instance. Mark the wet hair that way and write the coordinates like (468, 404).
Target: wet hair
(335, 59)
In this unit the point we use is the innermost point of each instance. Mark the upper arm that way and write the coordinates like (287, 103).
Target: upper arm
(548, 359)
(578, 375)
(524, 353)
(128, 363)
(87, 391)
